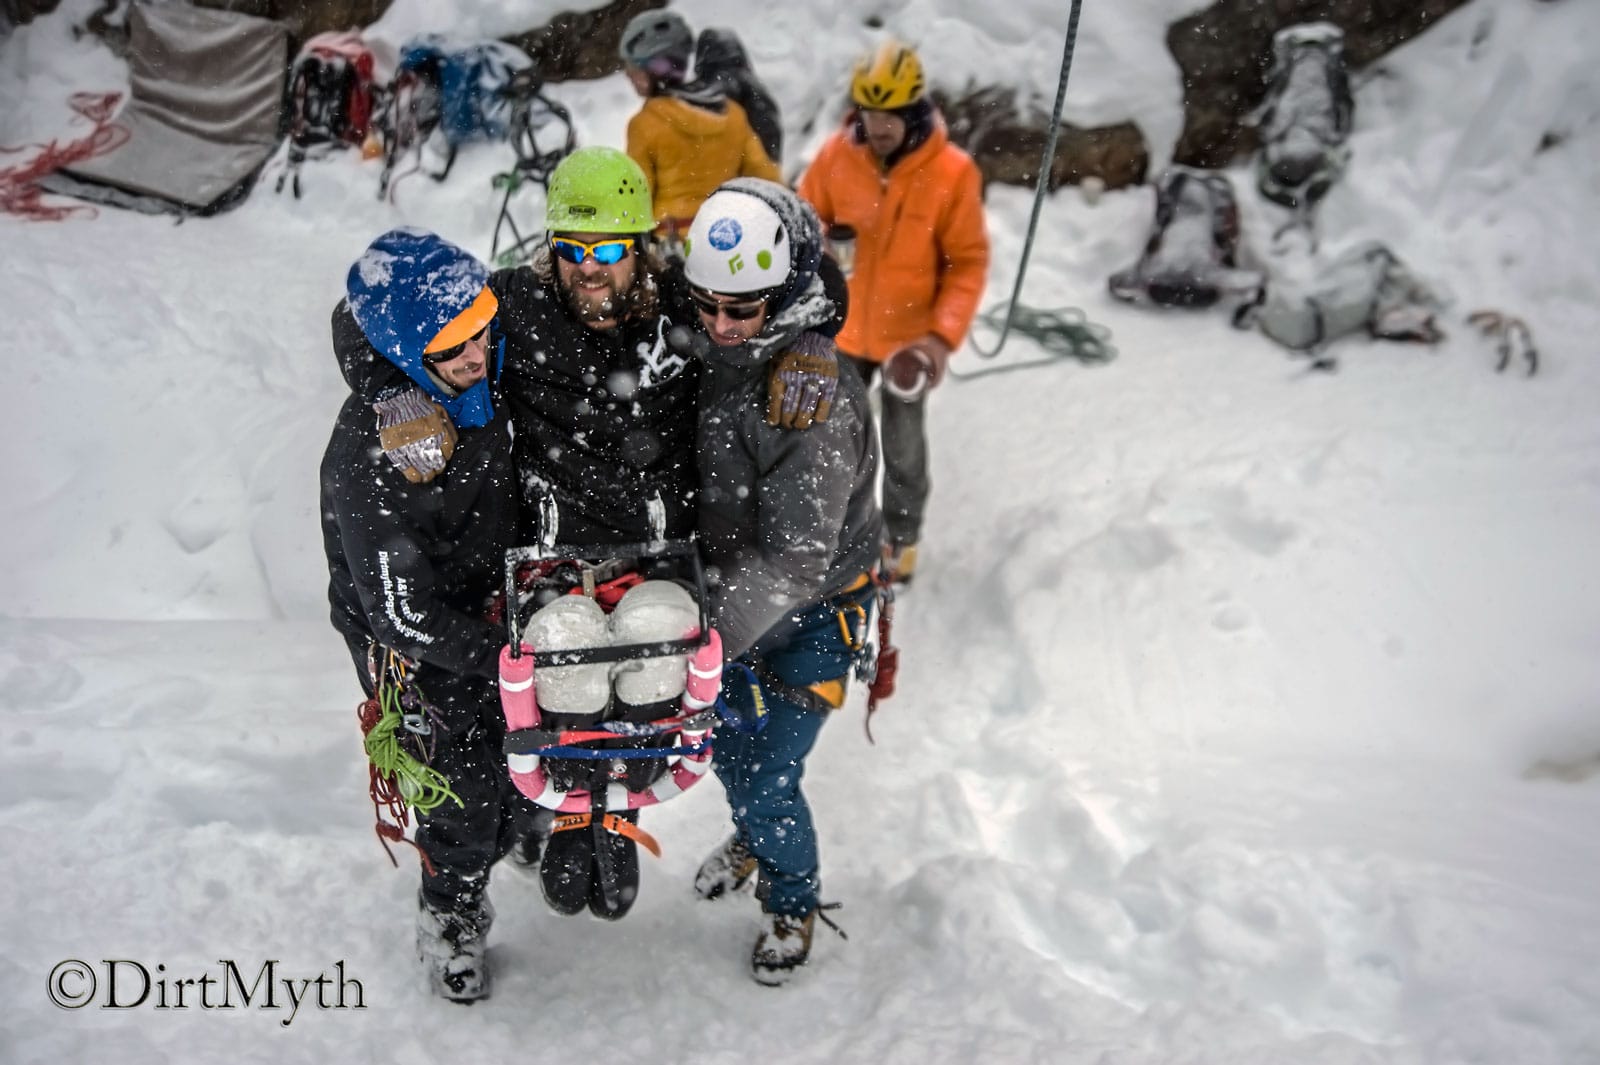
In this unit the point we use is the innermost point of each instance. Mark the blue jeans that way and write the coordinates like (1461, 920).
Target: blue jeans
(761, 775)
(762, 772)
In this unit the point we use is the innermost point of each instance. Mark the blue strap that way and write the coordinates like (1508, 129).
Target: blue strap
(733, 718)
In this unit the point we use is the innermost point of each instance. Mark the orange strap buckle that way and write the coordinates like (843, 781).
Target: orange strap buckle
(619, 826)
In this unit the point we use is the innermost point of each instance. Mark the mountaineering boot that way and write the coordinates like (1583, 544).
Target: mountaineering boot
(782, 947)
(614, 881)
(452, 946)
(525, 852)
(899, 562)
(725, 869)
(564, 870)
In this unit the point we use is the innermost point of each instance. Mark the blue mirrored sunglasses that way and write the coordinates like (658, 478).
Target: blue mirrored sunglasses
(606, 252)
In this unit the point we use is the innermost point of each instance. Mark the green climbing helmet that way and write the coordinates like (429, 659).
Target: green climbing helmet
(598, 190)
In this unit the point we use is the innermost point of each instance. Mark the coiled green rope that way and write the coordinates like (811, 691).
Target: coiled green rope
(421, 787)
(1063, 332)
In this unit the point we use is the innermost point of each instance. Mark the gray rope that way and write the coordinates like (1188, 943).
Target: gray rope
(1063, 332)
(1012, 308)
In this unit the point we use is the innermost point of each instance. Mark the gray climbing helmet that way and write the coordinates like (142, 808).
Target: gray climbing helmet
(659, 42)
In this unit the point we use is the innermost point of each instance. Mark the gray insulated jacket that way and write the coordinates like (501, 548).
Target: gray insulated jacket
(787, 517)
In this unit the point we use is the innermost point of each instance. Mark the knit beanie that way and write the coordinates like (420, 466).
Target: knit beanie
(407, 288)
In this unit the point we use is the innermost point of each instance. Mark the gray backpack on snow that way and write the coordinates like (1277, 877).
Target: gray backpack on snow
(1366, 288)
(1190, 258)
(1306, 116)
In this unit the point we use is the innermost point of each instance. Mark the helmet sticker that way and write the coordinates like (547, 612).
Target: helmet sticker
(725, 233)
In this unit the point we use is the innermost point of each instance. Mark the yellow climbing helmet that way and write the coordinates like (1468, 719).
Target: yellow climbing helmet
(888, 79)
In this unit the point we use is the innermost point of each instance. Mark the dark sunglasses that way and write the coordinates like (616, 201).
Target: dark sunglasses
(434, 358)
(739, 311)
(606, 252)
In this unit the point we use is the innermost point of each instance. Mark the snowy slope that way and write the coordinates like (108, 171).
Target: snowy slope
(1248, 714)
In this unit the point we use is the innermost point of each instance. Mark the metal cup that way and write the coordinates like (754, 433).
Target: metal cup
(841, 244)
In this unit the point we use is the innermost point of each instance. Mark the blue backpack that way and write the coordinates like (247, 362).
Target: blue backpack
(457, 91)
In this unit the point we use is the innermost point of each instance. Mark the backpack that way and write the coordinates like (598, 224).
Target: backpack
(720, 57)
(1366, 288)
(455, 91)
(330, 99)
(1306, 116)
(1191, 256)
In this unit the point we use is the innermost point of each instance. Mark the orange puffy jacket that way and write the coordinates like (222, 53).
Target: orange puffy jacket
(687, 151)
(922, 253)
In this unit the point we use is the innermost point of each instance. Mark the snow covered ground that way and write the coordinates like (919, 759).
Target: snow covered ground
(1248, 715)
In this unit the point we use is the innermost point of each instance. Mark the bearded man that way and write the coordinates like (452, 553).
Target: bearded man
(602, 415)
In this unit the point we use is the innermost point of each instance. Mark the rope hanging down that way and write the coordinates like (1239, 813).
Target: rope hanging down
(1063, 332)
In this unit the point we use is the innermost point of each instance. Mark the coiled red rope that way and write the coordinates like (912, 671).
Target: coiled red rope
(19, 184)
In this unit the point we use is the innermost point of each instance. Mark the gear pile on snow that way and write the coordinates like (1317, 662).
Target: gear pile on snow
(1305, 118)
(1191, 256)
(330, 99)
(454, 92)
(1364, 289)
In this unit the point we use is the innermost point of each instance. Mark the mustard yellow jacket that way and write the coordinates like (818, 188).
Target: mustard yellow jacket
(687, 151)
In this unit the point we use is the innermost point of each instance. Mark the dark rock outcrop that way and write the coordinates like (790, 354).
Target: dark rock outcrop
(581, 44)
(305, 18)
(1008, 145)
(16, 12)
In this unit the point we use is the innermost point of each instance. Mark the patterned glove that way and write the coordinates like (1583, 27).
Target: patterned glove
(415, 433)
(800, 388)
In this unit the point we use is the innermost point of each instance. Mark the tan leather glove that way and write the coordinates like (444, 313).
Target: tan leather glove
(416, 434)
(800, 389)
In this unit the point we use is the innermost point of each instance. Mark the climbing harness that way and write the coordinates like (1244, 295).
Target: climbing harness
(1062, 332)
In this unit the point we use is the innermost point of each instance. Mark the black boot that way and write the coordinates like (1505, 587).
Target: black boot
(615, 882)
(525, 852)
(564, 871)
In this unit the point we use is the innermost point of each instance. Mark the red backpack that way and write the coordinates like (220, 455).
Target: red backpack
(330, 98)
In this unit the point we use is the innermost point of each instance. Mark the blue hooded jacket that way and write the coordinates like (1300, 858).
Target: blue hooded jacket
(408, 285)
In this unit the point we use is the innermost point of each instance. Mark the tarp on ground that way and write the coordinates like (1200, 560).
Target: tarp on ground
(207, 89)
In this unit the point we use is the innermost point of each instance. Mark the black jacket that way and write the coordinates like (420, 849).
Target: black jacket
(413, 566)
(604, 420)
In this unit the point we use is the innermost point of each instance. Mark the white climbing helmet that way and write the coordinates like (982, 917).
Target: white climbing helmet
(737, 244)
